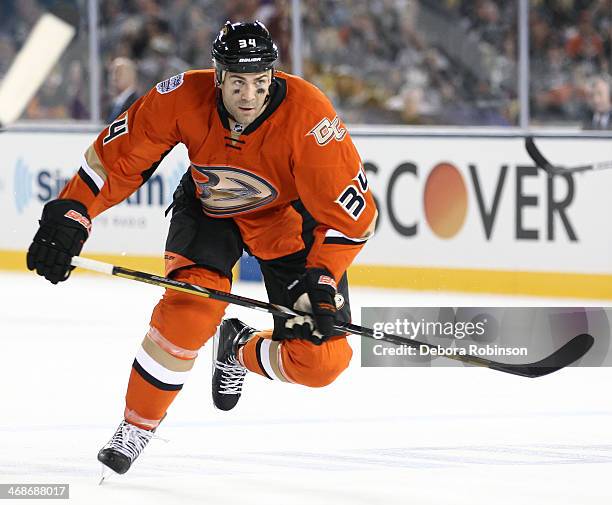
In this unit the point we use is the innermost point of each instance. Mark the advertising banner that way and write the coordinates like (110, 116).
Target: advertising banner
(463, 214)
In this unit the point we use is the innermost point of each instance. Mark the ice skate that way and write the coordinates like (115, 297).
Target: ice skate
(228, 373)
(123, 448)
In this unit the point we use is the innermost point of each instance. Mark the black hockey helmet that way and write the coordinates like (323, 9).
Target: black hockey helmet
(243, 47)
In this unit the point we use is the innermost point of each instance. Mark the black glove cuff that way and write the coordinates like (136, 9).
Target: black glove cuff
(320, 279)
(68, 213)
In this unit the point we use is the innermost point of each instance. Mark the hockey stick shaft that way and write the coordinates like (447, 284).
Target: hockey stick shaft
(44, 46)
(541, 161)
(570, 352)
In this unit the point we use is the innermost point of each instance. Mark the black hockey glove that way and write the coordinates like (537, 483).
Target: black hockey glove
(64, 227)
(314, 292)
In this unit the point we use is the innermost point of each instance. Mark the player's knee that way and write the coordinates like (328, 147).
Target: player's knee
(319, 366)
(189, 320)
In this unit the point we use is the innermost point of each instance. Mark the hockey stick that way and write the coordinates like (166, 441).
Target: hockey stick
(567, 354)
(538, 158)
(43, 48)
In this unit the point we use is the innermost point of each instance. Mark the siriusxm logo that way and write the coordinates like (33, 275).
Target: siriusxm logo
(46, 184)
(22, 184)
(43, 185)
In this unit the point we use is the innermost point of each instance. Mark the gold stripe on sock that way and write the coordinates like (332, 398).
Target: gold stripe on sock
(274, 361)
(166, 359)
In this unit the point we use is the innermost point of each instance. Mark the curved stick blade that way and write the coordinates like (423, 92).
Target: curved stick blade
(562, 357)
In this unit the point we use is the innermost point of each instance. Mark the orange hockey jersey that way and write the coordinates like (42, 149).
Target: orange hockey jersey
(298, 149)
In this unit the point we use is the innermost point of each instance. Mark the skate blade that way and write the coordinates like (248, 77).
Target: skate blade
(105, 474)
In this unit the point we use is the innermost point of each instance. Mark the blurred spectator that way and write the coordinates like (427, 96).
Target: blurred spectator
(600, 101)
(123, 83)
(200, 35)
(277, 17)
(76, 90)
(488, 24)
(551, 84)
(586, 44)
(540, 33)
(49, 102)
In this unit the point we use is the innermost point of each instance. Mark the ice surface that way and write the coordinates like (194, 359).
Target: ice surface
(389, 436)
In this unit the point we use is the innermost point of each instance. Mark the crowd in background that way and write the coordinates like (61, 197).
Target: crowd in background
(444, 62)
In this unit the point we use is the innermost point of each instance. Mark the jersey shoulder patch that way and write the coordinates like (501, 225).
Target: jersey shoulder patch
(170, 84)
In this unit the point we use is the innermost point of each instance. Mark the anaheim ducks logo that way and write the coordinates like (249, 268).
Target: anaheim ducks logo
(226, 191)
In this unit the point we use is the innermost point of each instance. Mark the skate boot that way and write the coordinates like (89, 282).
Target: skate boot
(125, 446)
(228, 373)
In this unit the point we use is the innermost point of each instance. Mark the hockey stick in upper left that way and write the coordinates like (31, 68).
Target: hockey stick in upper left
(541, 161)
(43, 48)
(566, 355)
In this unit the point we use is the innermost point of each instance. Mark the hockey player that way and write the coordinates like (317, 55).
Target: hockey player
(273, 172)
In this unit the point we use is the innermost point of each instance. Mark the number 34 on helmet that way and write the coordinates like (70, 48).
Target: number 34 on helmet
(243, 48)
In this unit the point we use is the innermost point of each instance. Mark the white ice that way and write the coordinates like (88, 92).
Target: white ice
(377, 435)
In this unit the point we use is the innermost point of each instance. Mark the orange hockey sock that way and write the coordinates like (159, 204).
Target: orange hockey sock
(181, 323)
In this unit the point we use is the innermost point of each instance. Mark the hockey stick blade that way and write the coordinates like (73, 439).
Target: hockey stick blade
(566, 355)
(538, 158)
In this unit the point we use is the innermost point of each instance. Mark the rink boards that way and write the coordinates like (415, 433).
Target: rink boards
(456, 214)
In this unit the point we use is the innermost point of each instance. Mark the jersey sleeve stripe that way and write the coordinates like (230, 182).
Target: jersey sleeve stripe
(94, 167)
(335, 237)
(342, 241)
(88, 181)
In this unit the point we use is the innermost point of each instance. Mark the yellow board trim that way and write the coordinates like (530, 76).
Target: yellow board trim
(547, 284)
(16, 260)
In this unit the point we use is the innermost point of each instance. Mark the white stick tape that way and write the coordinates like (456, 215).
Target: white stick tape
(95, 266)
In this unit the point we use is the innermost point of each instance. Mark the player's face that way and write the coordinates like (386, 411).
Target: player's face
(244, 95)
